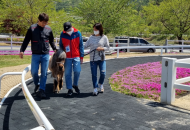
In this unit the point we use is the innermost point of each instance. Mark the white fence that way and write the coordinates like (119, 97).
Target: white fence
(182, 43)
(169, 82)
(5, 50)
(39, 115)
(156, 47)
(11, 42)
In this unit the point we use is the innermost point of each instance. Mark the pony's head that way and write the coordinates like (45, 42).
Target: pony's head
(58, 60)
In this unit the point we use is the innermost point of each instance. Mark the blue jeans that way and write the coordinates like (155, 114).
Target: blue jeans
(102, 66)
(42, 59)
(69, 63)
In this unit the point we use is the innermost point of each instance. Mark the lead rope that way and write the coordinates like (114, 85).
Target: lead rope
(89, 52)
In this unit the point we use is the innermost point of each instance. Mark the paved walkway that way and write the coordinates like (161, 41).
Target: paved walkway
(107, 111)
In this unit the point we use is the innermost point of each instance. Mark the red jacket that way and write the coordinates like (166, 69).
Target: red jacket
(72, 45)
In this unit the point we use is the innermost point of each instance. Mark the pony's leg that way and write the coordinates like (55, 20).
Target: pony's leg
(54, 85)
(61, 81)
(58, 84)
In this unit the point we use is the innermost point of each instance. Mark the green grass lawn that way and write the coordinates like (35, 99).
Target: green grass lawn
(14, 60)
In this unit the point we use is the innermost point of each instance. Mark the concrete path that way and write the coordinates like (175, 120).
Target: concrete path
(107, 111)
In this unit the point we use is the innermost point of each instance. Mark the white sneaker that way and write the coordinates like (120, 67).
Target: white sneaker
(101, 88)
(95, 92)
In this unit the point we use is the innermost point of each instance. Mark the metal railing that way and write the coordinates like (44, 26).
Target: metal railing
(137, 47)
(39, 115)
(169, 82)
(18, 42)
(182, 43)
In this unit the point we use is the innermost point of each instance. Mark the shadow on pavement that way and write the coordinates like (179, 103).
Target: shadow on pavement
(170, 107)
(9, 102)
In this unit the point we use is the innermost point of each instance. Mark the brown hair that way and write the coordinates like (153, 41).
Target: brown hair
(99, 27)
(43, 17)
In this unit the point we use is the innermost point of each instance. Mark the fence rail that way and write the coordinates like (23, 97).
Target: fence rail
(39, 115)
(182, 43)
(112, 48)
(169, 82)
(128, 47)
(18, 42)
(156, 47)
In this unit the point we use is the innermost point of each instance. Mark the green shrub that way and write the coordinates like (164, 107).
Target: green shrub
(172, 37)
(162, 37)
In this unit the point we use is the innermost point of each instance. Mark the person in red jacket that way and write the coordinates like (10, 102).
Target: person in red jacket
(71, 42)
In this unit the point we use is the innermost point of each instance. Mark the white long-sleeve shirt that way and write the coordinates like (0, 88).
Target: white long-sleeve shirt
(94, 42)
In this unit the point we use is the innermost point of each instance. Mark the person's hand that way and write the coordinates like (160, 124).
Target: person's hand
(81, 61)
(100, 49)
(21, 55)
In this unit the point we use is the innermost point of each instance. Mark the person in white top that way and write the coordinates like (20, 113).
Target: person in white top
(98, 44)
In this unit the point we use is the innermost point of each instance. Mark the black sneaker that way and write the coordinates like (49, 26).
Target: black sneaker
(36, 88)
(41, 94)
(70, 92)
(76, 89)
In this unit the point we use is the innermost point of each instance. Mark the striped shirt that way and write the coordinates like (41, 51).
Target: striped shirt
(94, 42)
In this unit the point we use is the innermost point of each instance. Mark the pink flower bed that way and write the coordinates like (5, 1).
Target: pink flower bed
(143, 80)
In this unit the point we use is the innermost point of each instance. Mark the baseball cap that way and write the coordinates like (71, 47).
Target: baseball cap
(67, 26)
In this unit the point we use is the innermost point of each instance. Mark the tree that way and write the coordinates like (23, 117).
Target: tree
(173, 15)
(67, 4)
(23, 13)
(57, 18)
(140, 3)
(110, 13)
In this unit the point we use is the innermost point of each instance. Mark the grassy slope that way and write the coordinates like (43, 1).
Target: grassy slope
(13, 60)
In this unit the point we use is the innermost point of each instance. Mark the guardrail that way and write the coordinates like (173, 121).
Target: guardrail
(182, 43)
(39, 115)
(169, 82)
(11, 42)
(136, 47)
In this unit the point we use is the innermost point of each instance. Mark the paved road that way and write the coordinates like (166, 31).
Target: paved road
(108, 111)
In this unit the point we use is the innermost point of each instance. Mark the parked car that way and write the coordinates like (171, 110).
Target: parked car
(134, 41)
(85, 39)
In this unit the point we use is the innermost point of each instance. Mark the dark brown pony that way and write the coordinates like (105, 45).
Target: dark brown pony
(56, 66)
